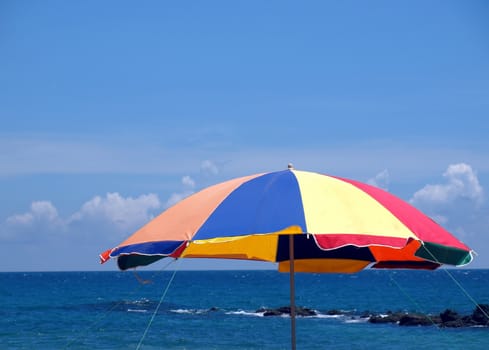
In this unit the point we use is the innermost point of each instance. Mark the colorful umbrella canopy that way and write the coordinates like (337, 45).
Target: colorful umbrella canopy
(304, 221)
(338, 225)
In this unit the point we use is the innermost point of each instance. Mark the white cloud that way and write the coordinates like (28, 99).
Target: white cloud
(40, 222)
(110, 214)
(461, 183)
(209, 168)
(381, 180)
(457, 204)
(188, 182)
(188, 189)
(177, 197)
(41, 211)
(125, 213)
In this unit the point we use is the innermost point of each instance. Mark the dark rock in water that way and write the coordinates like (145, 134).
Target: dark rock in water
(455, 323)
(272, 312)
(214, 309)
(304, 311)
(334, 312)
(449, 316)
(480, 315)
(405, 319)
(415, 320)
(366, 314)
(285, 310)
(391, 317)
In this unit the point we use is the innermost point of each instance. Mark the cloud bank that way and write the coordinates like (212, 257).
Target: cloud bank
(457, 202)
(113, 214)
(461, 184)
(110, 215)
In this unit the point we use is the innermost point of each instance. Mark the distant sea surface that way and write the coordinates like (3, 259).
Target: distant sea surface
(217, 309)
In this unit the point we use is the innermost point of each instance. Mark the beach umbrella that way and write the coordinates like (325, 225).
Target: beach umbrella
(304, 221)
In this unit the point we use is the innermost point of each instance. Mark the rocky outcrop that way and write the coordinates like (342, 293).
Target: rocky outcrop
(390, 317)
(285, 310)
(417, 320)
(481, 315)
(447, 318)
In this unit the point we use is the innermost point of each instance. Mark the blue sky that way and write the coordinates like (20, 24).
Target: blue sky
(113, 110)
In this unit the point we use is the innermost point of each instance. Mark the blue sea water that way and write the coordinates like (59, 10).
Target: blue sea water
(217, 309)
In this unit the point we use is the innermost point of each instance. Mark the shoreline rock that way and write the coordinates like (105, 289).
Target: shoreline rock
(285, 310)
(448, 318)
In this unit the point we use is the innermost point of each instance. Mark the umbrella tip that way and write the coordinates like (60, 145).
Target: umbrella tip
(290, 166)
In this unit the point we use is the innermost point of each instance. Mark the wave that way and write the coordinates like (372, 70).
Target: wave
(137, 310)
(356, 320)
(262, 314)
(245, 313)
(448, 318)
(191, 311)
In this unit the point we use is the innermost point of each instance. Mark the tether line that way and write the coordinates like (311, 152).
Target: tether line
(107, 312)
(458, 284)
(411, 299)
(467, 294)
(156, 310)
(97, 321)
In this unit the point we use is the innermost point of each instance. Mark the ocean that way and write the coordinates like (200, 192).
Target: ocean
(218, 309)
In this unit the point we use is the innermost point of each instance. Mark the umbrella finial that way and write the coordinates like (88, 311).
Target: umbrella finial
(290, 166)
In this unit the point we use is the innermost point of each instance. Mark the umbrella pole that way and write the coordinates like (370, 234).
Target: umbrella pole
(292, 290)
